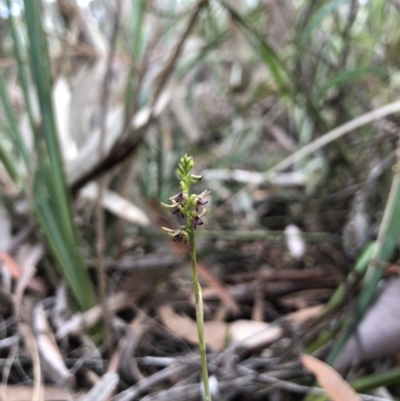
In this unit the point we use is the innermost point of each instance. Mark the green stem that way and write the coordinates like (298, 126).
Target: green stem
(199, 312)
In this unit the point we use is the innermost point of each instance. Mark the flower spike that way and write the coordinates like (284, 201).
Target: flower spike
(187, 205)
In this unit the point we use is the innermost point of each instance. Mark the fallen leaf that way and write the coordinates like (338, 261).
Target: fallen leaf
(116, 204)
(250, 334)
(29, 257)
(16, 271)
(53, 364)
(255, 335)
(378, 333)
(186, 328)
(303, 315)
(24, 393)
(337, 388)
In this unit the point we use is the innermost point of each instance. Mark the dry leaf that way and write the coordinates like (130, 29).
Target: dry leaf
(378, 333)
(337, 388)
(251, 335)
(16, 271)
(183, 326)
(29, 256)
(51, 359)
(24, 393)
(303, 315)
(116, 204)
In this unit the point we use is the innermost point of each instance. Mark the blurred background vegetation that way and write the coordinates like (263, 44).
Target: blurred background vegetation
(289, 109)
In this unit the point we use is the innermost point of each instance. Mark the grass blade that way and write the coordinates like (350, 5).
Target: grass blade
(52, 197)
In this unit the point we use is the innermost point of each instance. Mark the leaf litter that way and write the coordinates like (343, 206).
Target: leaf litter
(275, 253)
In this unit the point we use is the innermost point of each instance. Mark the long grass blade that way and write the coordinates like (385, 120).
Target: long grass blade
(52, 198)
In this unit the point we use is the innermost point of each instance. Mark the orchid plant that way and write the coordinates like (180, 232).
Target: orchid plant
(191, 207)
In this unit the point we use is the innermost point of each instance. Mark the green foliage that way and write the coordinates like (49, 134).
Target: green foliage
(51, 197)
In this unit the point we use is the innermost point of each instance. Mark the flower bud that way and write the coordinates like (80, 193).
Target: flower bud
(190, 164)
(194, 179)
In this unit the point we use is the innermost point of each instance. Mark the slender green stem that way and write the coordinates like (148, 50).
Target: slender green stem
(199, 312)
(186, 204)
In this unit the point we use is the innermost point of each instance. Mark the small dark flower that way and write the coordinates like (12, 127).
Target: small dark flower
(178, 198)
(178, 210)
(196, 221)
(200, 202)
(177, 235)
(180, 237)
